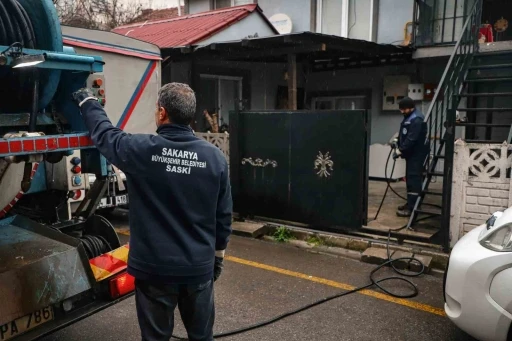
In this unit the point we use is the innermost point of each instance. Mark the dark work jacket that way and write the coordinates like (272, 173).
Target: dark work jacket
(180, 197)
(412, 137)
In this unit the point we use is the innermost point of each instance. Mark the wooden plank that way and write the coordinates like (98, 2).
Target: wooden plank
(292, 82)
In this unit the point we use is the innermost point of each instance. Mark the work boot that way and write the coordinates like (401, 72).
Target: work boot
(402, 207)
(406, 212)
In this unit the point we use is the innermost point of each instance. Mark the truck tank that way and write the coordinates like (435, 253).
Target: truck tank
(47, 250)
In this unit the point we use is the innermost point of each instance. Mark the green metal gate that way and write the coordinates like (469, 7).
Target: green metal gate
(303, 166)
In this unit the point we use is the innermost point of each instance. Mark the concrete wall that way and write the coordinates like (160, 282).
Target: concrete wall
(384, 123)
(480, 185)
(249, 26)
(265, 79)
(299, 12)
(393, 15)
(197, 6)
(359, 19)
(179, 72)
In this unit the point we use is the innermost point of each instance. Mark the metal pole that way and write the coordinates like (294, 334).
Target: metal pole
(292, 82)
(447, 180)
(35, 104)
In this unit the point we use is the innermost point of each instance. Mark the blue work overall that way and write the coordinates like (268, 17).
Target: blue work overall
(413, 133)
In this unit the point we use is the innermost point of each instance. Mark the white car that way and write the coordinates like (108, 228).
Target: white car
(478, 282)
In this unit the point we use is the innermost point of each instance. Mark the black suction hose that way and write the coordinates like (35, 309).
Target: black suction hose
(388, 186)
(7, 27)
(28, 28)
(3, 36)
(16, 29)
(388, 180)
(373, 283)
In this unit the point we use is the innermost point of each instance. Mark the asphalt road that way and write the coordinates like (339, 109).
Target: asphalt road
(249, 293)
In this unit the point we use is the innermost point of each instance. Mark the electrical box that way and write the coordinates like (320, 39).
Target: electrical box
(66, 175)
(395, 89)
(416, 92)
(96, 83)
(430, 91)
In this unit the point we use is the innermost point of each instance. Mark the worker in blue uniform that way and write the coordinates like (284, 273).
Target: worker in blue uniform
(180, 211)
(411, 147)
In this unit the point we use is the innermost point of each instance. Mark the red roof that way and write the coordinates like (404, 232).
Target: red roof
(189, 29)
(159, 14)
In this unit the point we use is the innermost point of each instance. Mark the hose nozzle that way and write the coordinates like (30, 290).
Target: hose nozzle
(394, 143)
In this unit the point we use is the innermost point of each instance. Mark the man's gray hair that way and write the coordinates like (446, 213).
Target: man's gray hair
(179, 100)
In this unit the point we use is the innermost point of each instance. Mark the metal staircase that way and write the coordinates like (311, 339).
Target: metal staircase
(441, 122)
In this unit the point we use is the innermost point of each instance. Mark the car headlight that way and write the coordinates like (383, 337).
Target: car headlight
(499, 240)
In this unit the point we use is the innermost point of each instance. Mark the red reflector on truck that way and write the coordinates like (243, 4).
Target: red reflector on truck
(121, 285)
(4, 147)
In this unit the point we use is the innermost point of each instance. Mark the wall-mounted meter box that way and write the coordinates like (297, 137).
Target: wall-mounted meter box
(395, 89)
(416, 92)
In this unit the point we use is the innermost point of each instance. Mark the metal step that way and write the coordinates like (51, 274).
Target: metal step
(485, 109)
(491, 66)
(483, 141)
(435, 173)
(488, 80)
(439, 156)
(465, 124)
(429, 212)
(433, 193)
(486, 94)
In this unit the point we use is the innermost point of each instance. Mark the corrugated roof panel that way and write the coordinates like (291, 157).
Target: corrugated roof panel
(185, 30)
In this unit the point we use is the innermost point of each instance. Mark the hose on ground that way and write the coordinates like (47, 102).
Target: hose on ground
(389, 187)
(373, 283)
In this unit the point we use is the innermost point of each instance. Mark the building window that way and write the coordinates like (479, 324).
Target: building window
(332, 17)
(339, 103)
(231, 3)
(221, 94)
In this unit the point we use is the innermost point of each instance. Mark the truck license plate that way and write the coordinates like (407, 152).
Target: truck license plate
(24, 324)
(121, 200)
(103, 203)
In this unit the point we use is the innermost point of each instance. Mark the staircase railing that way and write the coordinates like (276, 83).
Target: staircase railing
(441, 115)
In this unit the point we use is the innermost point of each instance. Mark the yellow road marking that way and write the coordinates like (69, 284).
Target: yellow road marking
(343, 286)
(371, 293)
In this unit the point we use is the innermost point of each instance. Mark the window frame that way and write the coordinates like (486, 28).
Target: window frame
(214, 3)
(344, 17)
(218, 78)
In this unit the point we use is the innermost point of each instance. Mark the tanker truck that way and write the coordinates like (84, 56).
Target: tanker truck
(132, 75)
(59, 260)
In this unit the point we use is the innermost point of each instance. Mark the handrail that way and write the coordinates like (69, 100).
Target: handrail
(452, 57)
(452, 80)
(441, 115)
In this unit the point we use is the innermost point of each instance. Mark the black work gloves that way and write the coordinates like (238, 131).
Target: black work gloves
(217, 270)
(82, 96)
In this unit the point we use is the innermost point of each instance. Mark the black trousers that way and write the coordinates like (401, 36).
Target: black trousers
(156, 303)
(413, 178)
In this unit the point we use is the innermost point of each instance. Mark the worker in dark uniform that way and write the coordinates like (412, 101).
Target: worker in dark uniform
(411, 147)
(180, 212)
